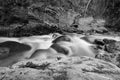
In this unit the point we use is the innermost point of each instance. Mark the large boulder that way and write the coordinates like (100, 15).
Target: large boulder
(74, 68)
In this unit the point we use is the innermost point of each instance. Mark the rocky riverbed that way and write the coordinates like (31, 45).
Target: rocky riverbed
(17, 64)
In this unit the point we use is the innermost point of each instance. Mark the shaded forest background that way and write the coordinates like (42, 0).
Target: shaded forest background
(37, 17)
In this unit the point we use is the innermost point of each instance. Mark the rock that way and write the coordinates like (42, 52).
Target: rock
(99, 42)
(107, 57)
(113, 58)
(60, 49)
(110, 50)
(15, 46)
(4, 52)
(74, 68)
(118, 60)
(62, 38)
(107, 41)
(112, 47)
(117, 45)
(12, 52)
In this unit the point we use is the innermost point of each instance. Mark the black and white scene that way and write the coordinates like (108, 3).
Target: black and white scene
(59, 39)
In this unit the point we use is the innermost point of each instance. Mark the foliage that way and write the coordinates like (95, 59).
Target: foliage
(19, 17)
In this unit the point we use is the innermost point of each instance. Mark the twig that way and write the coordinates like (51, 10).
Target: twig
(87, 7)
(106, 5)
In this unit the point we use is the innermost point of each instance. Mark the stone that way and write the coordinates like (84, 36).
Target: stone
(74, 68)
(4, 52)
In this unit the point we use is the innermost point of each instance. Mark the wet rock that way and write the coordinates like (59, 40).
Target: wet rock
(99, 42)
(15, 46)
(117, 45)
(4, 52)
(112, 47)
(74, 68)
(108, 45)
(62, 38)
(111, 51)
(117, 60)
(113, 58)
(107, 41)
(12, 52)
(107, 57)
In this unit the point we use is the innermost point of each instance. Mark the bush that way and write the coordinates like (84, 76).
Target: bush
(29, 14)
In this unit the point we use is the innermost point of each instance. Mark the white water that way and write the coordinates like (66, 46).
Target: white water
(41, 47)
